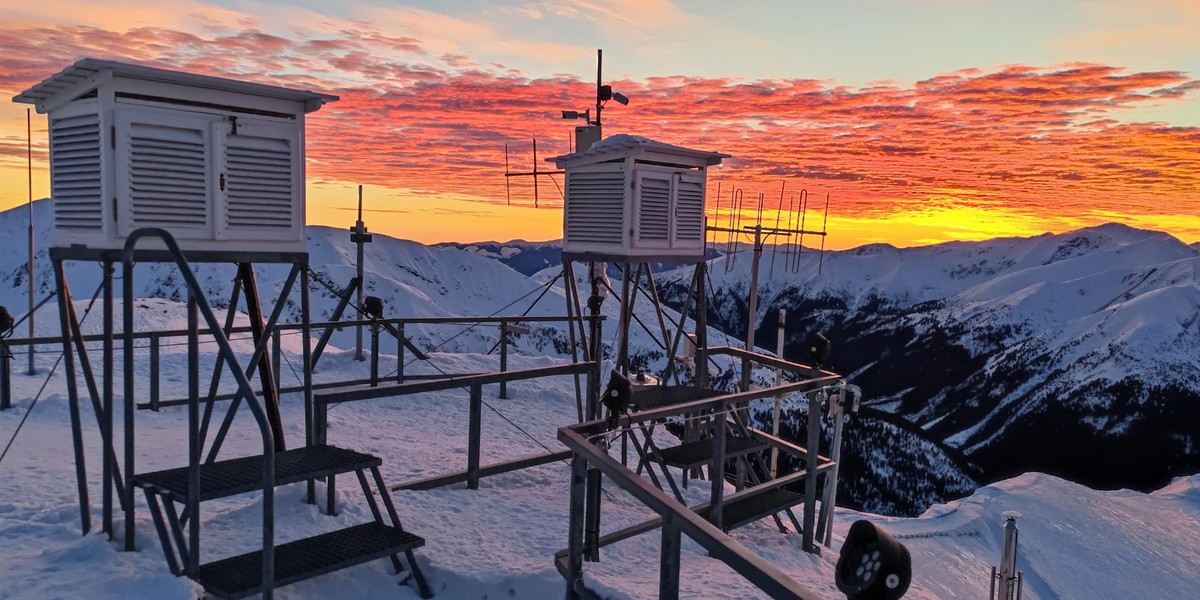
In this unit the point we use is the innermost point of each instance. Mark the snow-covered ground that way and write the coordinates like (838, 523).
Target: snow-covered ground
(498, 541)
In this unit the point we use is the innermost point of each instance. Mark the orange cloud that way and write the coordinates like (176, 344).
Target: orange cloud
(1038, 148)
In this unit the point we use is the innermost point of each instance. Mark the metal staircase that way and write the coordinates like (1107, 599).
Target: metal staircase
(174, 495)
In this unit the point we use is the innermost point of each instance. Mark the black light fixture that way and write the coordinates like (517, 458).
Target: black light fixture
(373, 306)
(586, 115)
(6, 321)
(617, 397)
(819, 349)
(872, 564)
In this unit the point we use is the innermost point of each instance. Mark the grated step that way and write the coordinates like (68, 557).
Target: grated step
(698, 454)
(742, 511)
(241, 475)
(241, 576)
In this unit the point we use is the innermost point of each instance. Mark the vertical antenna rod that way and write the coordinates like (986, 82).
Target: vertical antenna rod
(599, 82)
(359, 238)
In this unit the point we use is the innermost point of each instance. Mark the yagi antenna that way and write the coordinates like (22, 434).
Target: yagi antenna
(585, 136)
(535, 173)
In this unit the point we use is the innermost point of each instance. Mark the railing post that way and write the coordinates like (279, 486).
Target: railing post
(668, 575)
(575, 527)
(716, 470)
(276, 354)
(154, 372)
(6, 376)
(374, 354)
(473, 435)
(503, 358)
(400, 352)
(810, 464)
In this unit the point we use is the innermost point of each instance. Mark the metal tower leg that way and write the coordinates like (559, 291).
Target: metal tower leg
(69, 333)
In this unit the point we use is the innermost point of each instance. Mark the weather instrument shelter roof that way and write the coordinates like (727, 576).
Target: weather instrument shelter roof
(88, 74)
(623, 146)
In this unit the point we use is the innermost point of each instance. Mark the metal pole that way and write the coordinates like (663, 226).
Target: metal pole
(154, 373)
(106, 420)
(626, 314)
(716, 472)
(810, 464)
(591, 517)
(32, 272)
(68, 329)
(503, 358)
(599, 105)
(400, 352)
(778, 399)
(701, 326)
(374, 353)
(1008, 557)
(5, 376)
(575, 527)
(359, 239)
(473, 435)
(752, 309)
(668, 570)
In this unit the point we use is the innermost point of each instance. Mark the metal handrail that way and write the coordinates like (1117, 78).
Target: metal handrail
(677, 518)
(197, 302)
(96, 337)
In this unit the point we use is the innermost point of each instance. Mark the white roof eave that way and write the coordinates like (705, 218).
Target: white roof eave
(85, 75)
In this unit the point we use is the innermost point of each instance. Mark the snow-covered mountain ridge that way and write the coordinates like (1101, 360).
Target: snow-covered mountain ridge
(1076, 353)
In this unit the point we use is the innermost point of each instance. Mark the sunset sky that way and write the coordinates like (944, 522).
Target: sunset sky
(923, 120)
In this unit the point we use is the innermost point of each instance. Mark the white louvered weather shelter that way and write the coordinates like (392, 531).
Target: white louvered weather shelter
(217, 162)
(632, 199)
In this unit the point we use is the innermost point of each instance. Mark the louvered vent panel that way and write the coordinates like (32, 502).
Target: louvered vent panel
(689, 211)
(654, 210)
(75, 162)
(167, 177)
(595, 207)
(259, 191)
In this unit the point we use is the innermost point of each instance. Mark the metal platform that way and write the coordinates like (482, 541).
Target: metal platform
(699, 454)
(741, 511)
(241, 475)
(240, 576)
(669, 395)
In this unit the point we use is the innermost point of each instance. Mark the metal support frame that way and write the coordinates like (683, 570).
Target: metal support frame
(586, 440)
(679, 520)
(474, 384)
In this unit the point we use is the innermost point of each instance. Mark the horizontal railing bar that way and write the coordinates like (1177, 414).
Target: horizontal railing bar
(626, 421)
(437, 481)
(766, 576)
(144, 335)
(450, 383)
(296, 388)
(770, 361)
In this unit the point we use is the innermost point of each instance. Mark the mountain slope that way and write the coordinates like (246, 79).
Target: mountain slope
(1074, 354)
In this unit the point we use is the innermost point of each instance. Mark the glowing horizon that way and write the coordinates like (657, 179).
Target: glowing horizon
(957, 154)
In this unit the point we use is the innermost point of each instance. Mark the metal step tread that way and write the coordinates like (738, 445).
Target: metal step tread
(738, 512)
(241, 475)
(697, 454)
(658, 396)
(240, 576)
